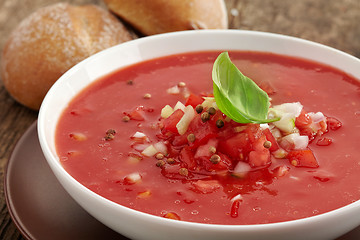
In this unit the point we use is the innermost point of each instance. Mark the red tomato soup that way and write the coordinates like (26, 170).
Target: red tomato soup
(105, 135)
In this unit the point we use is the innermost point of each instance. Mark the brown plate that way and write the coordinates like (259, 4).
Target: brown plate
(42, 209)
(38, 204)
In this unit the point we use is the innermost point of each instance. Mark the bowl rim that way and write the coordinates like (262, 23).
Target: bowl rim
(58, 169)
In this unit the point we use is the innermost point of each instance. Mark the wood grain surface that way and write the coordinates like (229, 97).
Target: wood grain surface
(331, 22)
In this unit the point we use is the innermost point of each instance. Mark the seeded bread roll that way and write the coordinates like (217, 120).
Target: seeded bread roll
(49, 42)
(160, 16)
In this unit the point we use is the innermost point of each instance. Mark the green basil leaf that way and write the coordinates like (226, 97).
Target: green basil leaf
(236, 95)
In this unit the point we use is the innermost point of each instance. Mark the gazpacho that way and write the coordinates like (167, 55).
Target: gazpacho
(190, 137)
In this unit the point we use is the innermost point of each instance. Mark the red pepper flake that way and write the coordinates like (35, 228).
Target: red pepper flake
(235, 209)
(324, 141)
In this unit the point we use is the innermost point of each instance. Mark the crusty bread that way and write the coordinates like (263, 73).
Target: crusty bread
(160, 16)
(49, 42)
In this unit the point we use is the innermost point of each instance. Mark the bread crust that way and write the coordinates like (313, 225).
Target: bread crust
(160, 16)
(49, 42)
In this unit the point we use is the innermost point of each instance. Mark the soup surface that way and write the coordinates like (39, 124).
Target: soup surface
(96, 143)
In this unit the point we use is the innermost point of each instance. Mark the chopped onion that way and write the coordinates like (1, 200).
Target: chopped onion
(241, 169)
(209, 102)
(318, 122)
(280, 153)
(276, 133)
(286, 123)
(317, 117)
(140, 147)
(166, 111)
(294, 109)
(295, 140)
(184, 122)
(237, 198)
(179, 105)
(173, 90)
(161, 147)
(139, 135)
(133, 178)
(149, 151)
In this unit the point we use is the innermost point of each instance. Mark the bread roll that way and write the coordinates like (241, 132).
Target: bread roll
(160, 16)
(49, 42)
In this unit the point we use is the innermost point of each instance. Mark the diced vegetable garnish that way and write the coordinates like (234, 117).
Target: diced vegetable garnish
(132, 178)
(294, 141)
(173, 90)
(78, 136)
(166, 111)
(184, 122)
(179, 105)
(144, 194)
(194, 100)
(149, 151)
(333, 123)
(303, 158)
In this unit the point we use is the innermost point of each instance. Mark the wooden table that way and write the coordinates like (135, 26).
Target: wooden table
(331, 22)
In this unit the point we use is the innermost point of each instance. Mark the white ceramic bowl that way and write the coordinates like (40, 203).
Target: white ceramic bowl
(138, 225)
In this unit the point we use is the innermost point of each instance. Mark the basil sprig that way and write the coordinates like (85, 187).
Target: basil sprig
(236, 95)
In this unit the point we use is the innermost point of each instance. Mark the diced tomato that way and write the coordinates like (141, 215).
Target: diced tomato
(234, 212)
(323, 176)
(187, 157)
(172, 171)
(271, 138)
(204, 150)
(137, 114)
(281, 171)
(303, 120)
(203, 131)
(194, 100)
(187, 196)
(205, 186)
(333, 123)
(234, 146)
(308, 132)
(303, 158)
(180, 140)
(224, 164)
(253, 131)
(259, 158)
(172, 120)
(324, 141)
